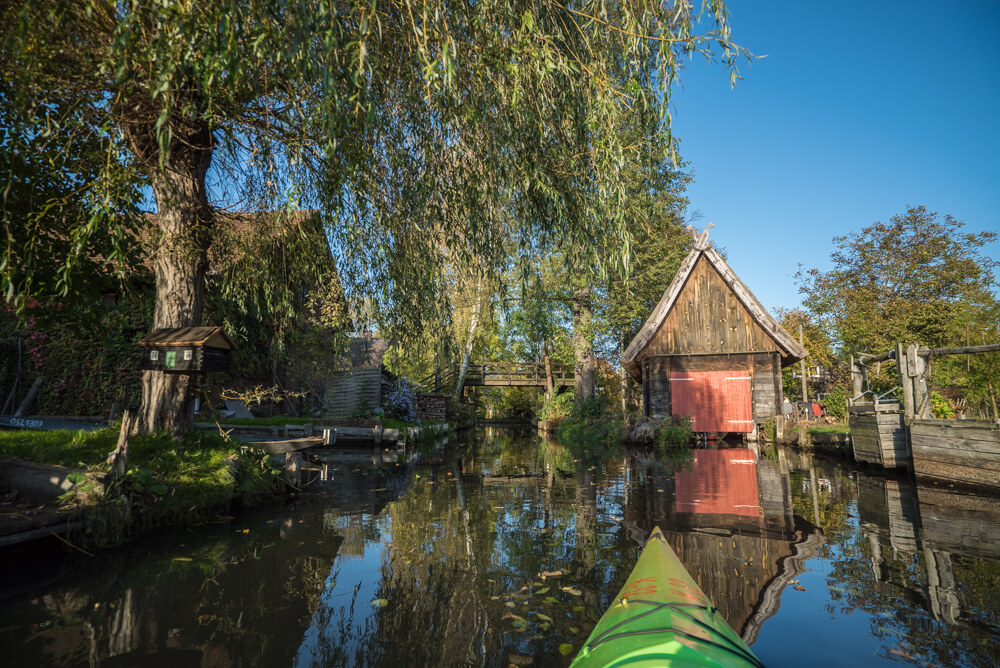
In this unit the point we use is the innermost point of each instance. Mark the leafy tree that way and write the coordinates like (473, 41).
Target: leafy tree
(817, 341)
(918, 279)
(420, 132)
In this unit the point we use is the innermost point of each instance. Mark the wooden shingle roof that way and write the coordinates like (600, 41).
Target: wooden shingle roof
(188, 336)
(791, 351)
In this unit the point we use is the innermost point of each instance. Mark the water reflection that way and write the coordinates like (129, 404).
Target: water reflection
(502, 548)
(938, 550)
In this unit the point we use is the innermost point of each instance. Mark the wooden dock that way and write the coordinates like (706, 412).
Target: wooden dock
(962, 451)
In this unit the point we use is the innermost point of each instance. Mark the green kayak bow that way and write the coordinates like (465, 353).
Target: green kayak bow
(661, 617)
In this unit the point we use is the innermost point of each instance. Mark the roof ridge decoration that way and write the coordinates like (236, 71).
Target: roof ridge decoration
(701, 241)
(702, 247)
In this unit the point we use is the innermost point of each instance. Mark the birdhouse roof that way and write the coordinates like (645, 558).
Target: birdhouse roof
(212, 337)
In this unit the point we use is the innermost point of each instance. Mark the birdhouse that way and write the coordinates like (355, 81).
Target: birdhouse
(186, 350)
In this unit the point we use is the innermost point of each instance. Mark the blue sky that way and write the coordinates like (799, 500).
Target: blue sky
(858, 110)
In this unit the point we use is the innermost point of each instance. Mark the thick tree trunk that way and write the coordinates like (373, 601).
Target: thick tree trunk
(583, 347)
(183, 221)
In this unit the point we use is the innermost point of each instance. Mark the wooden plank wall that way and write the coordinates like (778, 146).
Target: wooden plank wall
(353, 392)
(879, 438)
(966, 451)
(765, 368)
(708, 318)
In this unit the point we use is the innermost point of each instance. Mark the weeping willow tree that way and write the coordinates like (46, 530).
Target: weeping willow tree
(420, 130)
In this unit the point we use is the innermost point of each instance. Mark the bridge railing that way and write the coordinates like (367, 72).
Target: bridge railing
(496, 373)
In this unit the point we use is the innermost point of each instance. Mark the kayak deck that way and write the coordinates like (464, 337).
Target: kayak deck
(662, 618)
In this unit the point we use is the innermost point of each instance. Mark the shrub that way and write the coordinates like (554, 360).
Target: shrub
(674, 433)
(835, 402)
(558, 408)
(401, 403)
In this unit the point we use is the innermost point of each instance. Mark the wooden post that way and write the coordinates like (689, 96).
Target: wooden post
(916, 367)
(902, 363)
(856, 379)
(118, 459)
(802, 368)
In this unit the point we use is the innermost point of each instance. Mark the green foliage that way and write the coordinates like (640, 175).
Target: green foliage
(490, 124)
(86, 366)
(595, 436)
(558, 409)
(941, 408)
(835, 402)
(673, 434)
(918, 279)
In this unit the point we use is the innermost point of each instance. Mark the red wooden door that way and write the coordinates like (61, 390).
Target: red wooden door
(716, 400)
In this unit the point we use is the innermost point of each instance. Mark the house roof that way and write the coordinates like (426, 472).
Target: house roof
(791, 351)
(188, 336)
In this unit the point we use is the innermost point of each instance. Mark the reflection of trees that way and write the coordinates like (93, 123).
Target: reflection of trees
(924, 604)
(224, 598)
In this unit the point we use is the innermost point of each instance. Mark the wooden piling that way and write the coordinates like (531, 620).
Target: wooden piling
(904, 380)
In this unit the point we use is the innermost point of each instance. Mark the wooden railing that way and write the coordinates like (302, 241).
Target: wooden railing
(498, 374)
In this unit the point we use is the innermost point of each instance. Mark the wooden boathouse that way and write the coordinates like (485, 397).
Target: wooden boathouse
(709, 350)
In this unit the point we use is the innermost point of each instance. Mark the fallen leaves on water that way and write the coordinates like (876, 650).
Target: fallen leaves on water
(543, 590)
(572, 590)
(549, 574)
(182, 558)
(551, 599)
(509, 604)
(574, 630)
(793, 582)
(799, 588)
(517, 618)
(566, 649)
(520, 660)
(544, 618)
(380, 602)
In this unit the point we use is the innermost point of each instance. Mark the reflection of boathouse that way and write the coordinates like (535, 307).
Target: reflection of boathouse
(732, 525)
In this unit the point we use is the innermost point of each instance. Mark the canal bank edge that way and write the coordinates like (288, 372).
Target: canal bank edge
(53, 484)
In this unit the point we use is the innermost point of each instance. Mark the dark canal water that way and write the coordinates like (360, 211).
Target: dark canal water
(442, 560)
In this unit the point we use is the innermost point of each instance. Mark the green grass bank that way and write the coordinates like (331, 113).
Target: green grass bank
(168, 483)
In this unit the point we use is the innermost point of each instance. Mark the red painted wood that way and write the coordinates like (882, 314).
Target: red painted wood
(721, 482)
(717, 401)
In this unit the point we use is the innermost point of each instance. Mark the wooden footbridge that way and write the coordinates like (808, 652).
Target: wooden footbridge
(500, 374)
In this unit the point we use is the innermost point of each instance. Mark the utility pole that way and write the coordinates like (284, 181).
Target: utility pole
(802, 368)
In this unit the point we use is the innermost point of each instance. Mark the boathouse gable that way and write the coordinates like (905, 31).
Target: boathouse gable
(710, 350)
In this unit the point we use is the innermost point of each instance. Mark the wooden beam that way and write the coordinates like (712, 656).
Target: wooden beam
(965, 350)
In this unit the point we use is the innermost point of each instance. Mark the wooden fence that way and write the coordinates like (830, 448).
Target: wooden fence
(353, 392)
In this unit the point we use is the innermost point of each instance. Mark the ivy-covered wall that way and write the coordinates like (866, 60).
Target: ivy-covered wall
(88, 360)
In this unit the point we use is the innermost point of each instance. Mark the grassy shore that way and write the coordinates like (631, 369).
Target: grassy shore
(168, 483)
